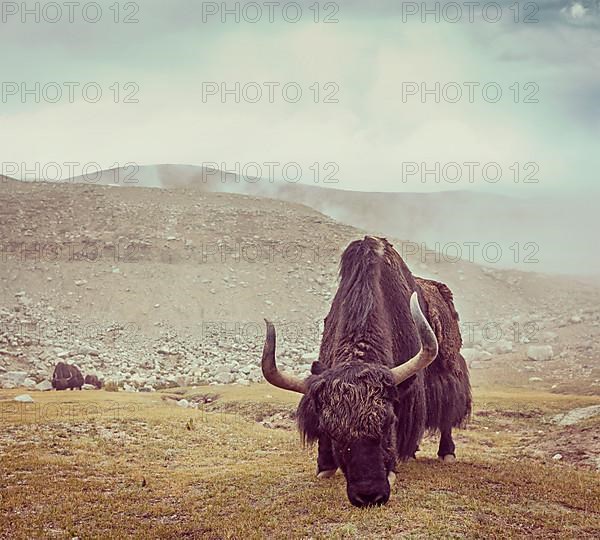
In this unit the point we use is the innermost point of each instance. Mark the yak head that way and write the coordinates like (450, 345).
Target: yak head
(62, 383)
(349, 408)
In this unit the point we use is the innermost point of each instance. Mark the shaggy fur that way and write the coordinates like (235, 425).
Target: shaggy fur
(369, 329)
(93, 380)
(66, 377)
(447, 387)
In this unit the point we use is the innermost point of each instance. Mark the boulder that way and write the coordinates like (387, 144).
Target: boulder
(475, 355)
(138, 380)
(44, 386)
(13, 379)
(576, 415)
(29, 383)
(540, 353)
(88, 387)
(222, 369)
(224, 378)
(502, 346)
(256, 376)
(181, 380)
(183, 403)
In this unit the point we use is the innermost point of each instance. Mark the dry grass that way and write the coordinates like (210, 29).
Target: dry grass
(119, 465)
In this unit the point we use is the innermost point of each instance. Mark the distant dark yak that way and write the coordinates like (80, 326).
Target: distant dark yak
(93, 380)
(376, 388)
(66, 376)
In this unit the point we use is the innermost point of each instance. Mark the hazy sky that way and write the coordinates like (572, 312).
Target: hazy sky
(375, 61)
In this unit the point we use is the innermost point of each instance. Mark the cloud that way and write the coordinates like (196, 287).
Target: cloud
(368, 57)
(576, 10)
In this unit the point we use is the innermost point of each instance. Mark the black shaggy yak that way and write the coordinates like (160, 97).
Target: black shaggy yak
(93, 380)
(376, 388)
(66, 376)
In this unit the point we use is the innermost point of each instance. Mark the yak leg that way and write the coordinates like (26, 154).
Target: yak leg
(446, 448)
(326, 465)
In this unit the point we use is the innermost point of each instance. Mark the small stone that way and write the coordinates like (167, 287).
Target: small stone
(477, 365)
(183, 403)
(24, 398)
(224, 378)
(548, 335)
(557, 457)
(85, 351)
(310, 357)
(502, 346)
(475, 355)
(540, 353)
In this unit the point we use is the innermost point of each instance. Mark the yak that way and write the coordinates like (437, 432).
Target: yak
(94, 381)
(386, 373)
(66, 376)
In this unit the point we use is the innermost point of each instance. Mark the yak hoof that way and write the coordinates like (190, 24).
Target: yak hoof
(392, 478)
(326, 474)
(448, 458)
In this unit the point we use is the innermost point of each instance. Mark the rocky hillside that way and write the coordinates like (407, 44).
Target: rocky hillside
(155, 287)
(534, 229)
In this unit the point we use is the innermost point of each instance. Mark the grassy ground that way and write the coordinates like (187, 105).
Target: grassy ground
(118, 465)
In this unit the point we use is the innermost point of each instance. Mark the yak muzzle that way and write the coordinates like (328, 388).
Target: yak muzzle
(363, 494)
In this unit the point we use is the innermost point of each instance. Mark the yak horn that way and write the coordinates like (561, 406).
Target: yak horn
(429, 345)
(269, 367)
